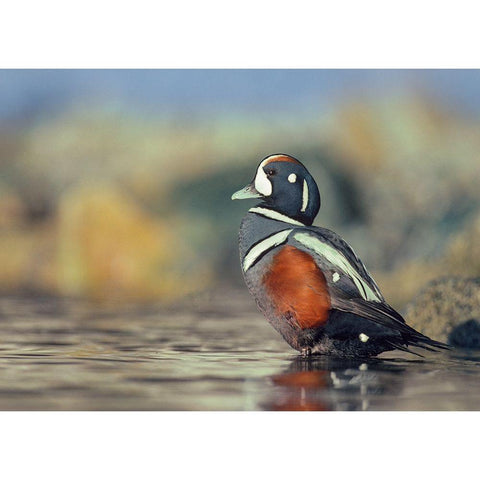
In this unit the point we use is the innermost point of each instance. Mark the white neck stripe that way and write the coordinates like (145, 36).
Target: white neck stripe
(304, 196)
(266, 212)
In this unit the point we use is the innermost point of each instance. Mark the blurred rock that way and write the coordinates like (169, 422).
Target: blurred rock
(415, 165)
(12, 209)
(460, 258)
(463, 253)
(403, 283)
(110, 248)
(147, 155)
(28, 259)
(448, 309)
(398, 177)
(466, 335)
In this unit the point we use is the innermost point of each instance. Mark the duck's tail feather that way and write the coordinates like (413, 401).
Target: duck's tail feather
(384, 314)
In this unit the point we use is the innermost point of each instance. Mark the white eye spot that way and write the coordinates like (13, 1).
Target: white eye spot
(363, 338)
(363, 367)
(262, 183)
(336, 277)
(292, 178)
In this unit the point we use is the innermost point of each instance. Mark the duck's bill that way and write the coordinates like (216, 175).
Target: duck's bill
(248, 192)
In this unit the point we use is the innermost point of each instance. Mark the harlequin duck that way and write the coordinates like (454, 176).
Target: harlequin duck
(307, 280)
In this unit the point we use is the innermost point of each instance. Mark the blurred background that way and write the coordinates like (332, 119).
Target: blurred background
(115, 185)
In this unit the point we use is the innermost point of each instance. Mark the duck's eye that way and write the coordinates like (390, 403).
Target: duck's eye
(271, 172)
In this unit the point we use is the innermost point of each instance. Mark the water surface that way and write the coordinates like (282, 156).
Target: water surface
(214, 354)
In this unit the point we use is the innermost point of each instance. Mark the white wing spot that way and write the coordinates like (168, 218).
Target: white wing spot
(363, 338)
(292, 178)
(336, 381)
(336, 277)
(336, 258)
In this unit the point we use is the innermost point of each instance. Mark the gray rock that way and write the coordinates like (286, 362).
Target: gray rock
(448, 309)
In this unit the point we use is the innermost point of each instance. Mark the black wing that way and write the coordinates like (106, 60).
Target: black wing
(341, 245)
(348, 294)
(383, 314)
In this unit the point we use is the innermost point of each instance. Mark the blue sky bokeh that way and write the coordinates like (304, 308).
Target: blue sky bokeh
(209, 92)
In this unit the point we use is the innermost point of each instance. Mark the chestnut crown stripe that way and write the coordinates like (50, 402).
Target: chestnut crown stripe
(262, 184)
(279, 158)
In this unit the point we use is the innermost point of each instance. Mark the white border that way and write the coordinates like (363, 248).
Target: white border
(238, 445)
(216, 34)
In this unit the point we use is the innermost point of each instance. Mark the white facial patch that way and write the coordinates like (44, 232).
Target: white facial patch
(304, 196)
(336, 258)
(263, 246)
(363, 338)
(292, 178)
(262, 184)
(336, 277)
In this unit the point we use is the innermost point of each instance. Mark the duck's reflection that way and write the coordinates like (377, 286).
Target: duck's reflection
(299, 390)
(324, 383)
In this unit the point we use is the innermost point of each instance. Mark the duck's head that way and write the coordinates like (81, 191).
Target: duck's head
(285, 186)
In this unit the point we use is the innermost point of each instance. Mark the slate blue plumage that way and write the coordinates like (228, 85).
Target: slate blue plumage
(307, 280)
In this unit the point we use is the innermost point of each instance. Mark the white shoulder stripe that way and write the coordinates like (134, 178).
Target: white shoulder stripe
(266, 212)
(340, 261)
(263, 246)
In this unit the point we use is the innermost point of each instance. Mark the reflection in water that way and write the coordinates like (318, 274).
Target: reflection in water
(300, 390)
(64, 355)
(324, 383)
